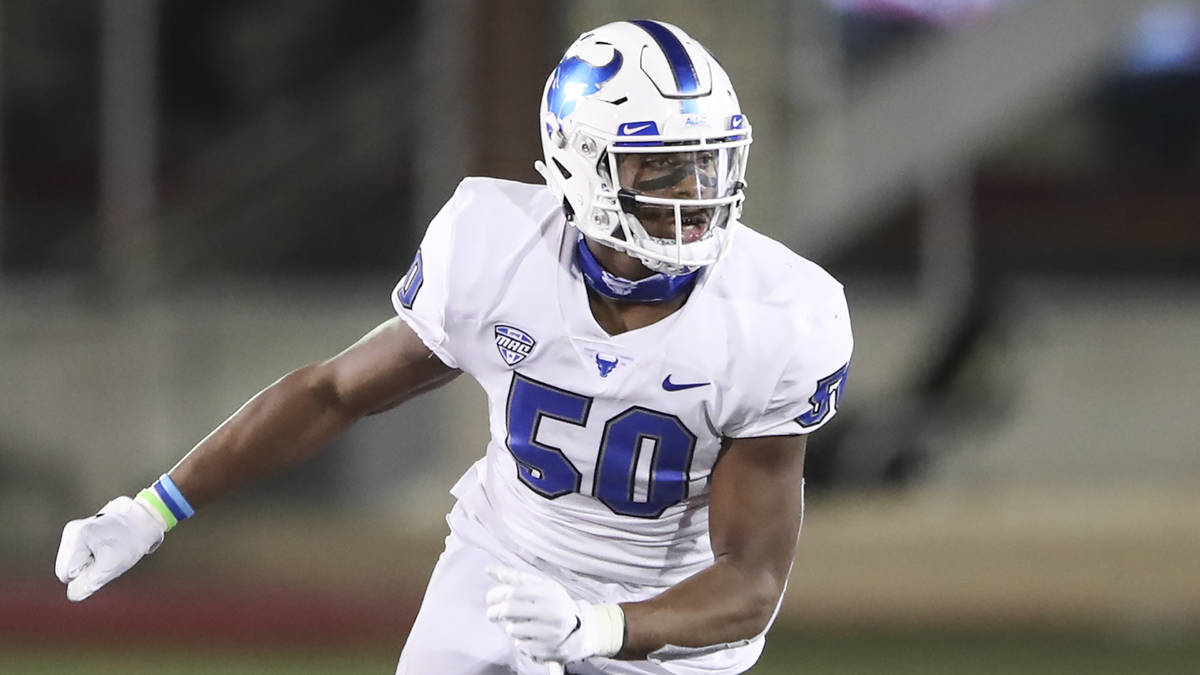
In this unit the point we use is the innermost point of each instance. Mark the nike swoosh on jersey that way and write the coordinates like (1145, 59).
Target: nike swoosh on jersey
(672, 386)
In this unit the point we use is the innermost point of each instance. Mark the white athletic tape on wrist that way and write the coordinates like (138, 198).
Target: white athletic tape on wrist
(607, 624)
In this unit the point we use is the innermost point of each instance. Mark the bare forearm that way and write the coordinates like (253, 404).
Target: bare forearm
(724, 603)
(281, 427)
(753, 533)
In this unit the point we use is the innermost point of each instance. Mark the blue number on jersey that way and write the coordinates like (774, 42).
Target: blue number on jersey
(548, 472)
(545, 469)
(624, 440)
(407, 292)
(824, 401)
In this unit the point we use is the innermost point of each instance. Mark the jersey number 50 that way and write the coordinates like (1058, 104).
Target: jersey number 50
(548, 472)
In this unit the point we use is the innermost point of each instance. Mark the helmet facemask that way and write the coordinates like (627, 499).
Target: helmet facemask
(670, 206)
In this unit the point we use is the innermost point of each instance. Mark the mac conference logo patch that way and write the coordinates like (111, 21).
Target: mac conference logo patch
(514, 344)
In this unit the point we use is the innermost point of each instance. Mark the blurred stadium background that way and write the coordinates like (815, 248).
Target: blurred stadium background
(199, 196)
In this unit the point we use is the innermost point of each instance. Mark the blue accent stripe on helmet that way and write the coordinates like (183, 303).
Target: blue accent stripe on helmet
(677, 56)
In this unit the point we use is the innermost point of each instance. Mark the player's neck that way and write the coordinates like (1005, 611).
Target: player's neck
(617, 317)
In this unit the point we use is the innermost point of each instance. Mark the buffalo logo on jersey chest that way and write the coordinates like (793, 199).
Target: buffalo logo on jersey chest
(514, 344)
(606, 363)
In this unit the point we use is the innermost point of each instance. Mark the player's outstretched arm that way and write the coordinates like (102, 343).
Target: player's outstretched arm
(290, 421)
(754, 521)
(284, 425)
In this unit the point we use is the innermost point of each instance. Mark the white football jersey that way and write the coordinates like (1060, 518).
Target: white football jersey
(602, 446)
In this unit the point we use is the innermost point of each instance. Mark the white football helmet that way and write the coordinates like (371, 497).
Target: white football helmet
(646, 144)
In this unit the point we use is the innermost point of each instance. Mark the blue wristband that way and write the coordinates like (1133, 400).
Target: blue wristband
(173, 498)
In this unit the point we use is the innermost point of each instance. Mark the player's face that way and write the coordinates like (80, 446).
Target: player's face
(673, 175)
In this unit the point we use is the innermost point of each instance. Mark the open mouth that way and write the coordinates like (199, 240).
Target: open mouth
(660, 223)
(694, 226)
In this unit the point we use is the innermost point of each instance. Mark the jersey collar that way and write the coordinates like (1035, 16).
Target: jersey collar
(655, 288)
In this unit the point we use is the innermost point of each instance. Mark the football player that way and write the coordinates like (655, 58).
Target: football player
(650, 382)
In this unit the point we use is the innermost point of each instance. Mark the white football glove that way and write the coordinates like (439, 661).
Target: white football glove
(547, 624)
(96, 550)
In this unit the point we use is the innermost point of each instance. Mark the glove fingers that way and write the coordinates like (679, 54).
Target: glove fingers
(521, 595)
(513, 577)
(514, 611)
(81, 587)
(109, 564)
(537, 650)
(532, 631)
(517, 610)
(538, 593)
(73, 553)
(505, 575)
(537, 613)
(498, 594)
(497, 612)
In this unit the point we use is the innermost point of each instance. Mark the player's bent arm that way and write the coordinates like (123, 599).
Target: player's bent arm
(754, 521)
(294, 418)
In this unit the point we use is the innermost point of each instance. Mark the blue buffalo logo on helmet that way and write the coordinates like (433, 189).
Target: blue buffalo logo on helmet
(575, 78)
(513, 343)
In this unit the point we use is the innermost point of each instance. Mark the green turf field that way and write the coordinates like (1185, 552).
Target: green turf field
(786, 654)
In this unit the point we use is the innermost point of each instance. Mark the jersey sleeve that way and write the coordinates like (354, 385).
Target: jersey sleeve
(424, 297)
(808, 390)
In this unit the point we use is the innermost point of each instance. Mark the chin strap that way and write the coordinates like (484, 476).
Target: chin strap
(654, 288)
